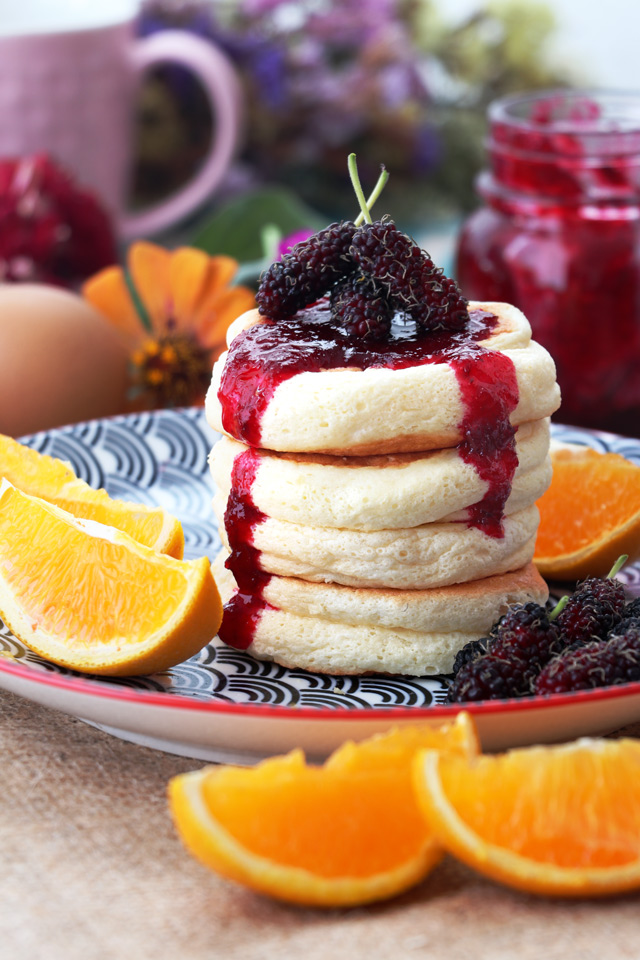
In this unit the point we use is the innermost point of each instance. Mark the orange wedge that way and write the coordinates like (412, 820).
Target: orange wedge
(590, 514)
(346, 833)
(43, 476)
(550, 820)
(91, 598)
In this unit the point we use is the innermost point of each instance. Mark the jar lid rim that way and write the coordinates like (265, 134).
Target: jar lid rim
(502, 110)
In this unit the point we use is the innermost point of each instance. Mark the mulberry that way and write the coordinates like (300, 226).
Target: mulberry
(362, 307)
(307, 273)
(410, 277)
(488, 678)
(597, 664)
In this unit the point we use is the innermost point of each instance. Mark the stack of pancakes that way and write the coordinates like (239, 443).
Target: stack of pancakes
(363, 496)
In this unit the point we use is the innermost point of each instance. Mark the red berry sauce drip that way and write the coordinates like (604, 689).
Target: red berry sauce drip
(489, 389)
(262, 357)
(265, 355)
(243, 611)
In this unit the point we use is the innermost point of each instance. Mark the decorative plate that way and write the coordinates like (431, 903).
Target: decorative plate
(224, 705)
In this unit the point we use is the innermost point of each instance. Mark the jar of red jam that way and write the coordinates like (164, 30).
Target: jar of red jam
(559, 236)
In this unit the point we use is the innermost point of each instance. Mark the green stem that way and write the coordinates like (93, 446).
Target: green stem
(270, 237)
(357, 186)
(617, 567)
(377, 190)
(559, 607)
(136, 300)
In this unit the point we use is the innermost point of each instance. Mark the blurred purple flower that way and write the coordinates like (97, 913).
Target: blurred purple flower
(427, 150)
(257, 8)
(158, 15)
(321, 79)
(287, 243)
(264, 60)
(269, 70)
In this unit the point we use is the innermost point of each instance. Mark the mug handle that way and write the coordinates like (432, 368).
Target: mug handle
(218, 77)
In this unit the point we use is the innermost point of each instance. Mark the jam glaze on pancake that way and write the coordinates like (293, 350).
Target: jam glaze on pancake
(380, 492)
(418, 558)
(482, 390)
(405, 397)
(268, 354)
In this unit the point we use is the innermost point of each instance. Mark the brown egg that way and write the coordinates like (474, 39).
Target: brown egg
(60, 361)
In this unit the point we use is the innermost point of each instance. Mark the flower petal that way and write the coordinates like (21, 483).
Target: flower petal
(222, 270)
(218, 312)
(189, 274)
(107, 291)
(150, 266)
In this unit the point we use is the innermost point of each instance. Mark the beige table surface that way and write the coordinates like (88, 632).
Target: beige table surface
(91, 869)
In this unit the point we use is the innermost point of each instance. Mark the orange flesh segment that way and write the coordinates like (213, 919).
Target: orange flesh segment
(590, 496)
(143, 526)
(356, 816)
(344, 814)
(41, 475)
(87, 598)
(575, 809)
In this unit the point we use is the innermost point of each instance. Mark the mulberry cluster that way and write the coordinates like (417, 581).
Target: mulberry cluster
(409, 276)
(602, 663)
(370, 272)
(593, 642)
(364, 309)
(524, 640)
(307, 273)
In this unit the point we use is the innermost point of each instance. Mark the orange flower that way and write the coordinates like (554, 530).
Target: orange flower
(173, 310)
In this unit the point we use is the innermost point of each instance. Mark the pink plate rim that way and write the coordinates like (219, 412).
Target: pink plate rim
(177, 701)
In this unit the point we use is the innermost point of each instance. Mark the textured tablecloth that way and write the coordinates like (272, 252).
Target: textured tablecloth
(91, 869)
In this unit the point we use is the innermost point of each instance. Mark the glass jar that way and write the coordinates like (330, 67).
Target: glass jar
(559, 236)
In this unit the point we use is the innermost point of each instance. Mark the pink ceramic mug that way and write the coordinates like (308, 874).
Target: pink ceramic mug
(69, 70)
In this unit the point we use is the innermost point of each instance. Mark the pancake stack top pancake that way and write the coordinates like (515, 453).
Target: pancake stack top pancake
(384, 448)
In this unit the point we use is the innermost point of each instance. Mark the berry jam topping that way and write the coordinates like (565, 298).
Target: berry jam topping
(267, 354)
(243, 611)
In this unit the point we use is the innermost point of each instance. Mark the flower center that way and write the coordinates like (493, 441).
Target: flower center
(171, 371)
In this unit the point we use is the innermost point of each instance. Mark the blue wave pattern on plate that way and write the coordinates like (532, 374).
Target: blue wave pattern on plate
(160, 459)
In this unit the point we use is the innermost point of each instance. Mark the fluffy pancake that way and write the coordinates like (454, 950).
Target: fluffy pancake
(341, 630)
(385, 492)
(353, 412)
(415, 558)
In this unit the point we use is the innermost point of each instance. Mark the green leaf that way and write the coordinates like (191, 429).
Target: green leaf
(237, 228)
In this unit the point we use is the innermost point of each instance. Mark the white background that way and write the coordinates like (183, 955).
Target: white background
(599, 39)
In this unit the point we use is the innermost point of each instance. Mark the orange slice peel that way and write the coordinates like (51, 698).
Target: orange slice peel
(91, 598)
(589, 515)
(347, 833)
(561, 821)
(52, 479)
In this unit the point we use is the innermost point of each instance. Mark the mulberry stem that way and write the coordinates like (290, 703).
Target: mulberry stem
(617, 567)
(377, 190)
(559, 607)
(357, 186)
